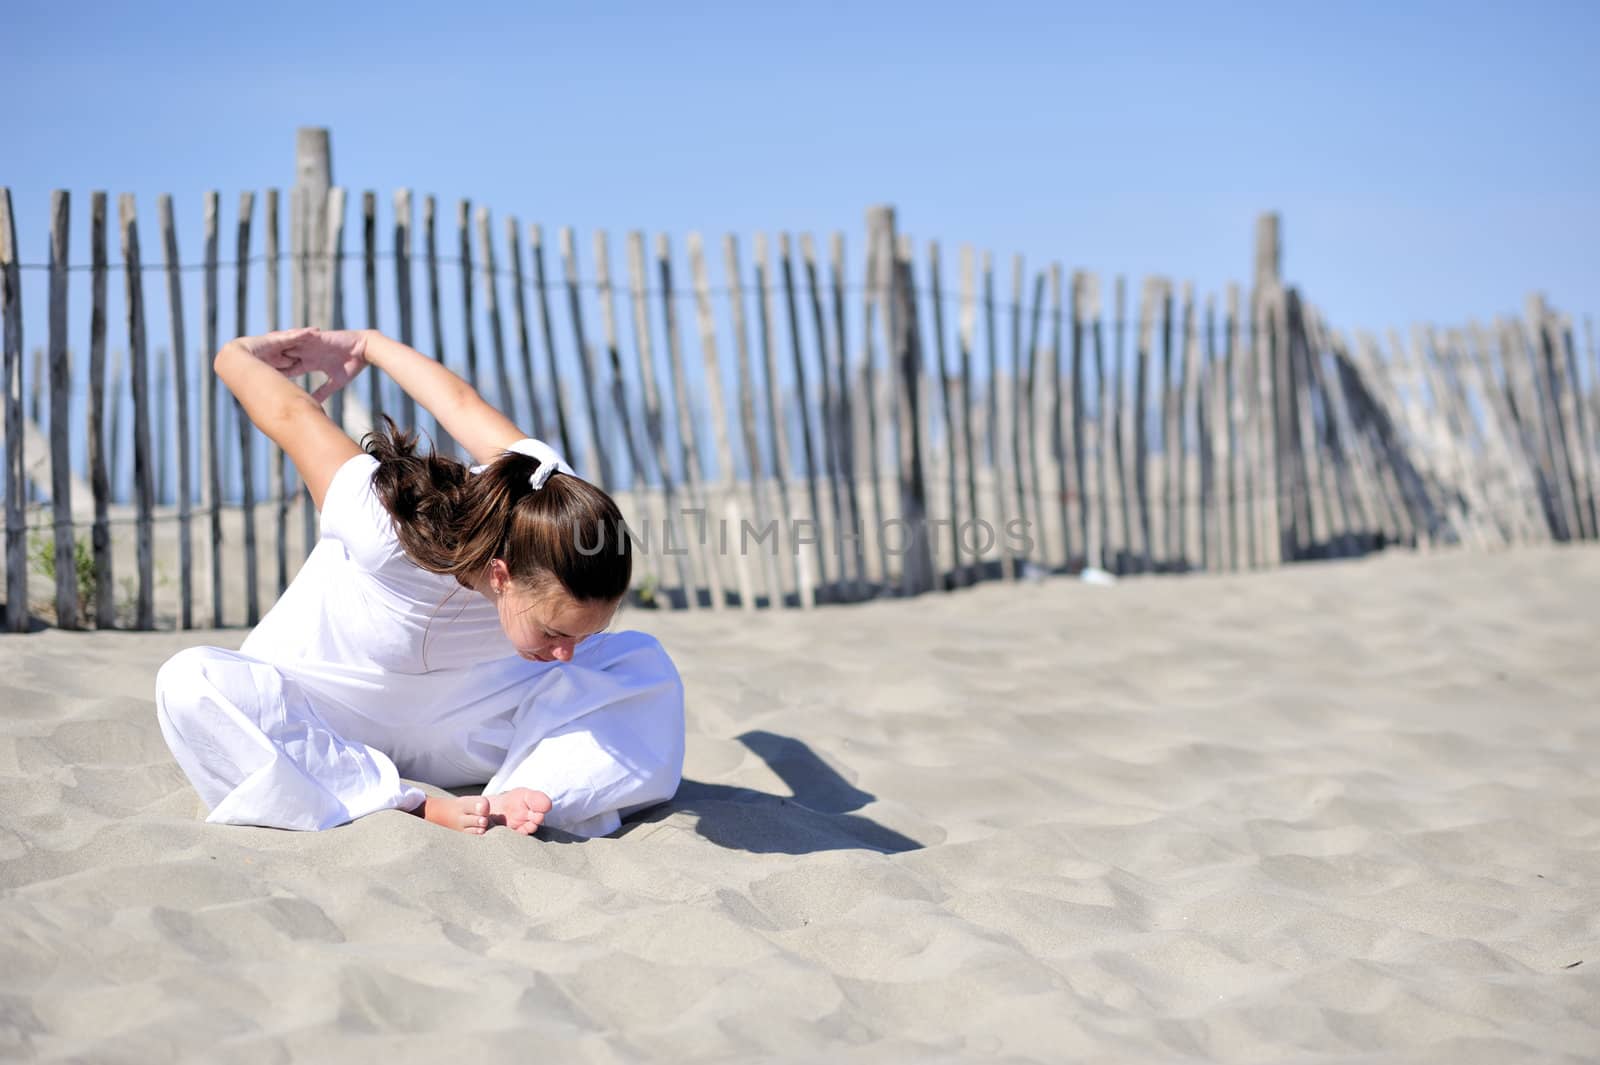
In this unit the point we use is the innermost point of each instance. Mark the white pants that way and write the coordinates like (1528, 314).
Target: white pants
(601, 735)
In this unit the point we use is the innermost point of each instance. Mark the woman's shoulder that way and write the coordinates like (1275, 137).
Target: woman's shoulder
(353, 514)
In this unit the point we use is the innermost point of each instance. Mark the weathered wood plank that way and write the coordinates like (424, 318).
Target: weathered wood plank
(537, 424)
(1153, 292)
(1031, 501)
(913, 428)
(210, 454)
(60, 392)
(966, 333)
(1019, 409)
(1123, 412)
(405, 317)
(1191, 512)
(180, 377)
(688, 439)
(750, 432)
(369, 286)
(731, 511)
(1269, 487)
(619, 395)
(1169, 460)
(277, 480)
(1213, 444)
(16, 482)
(1009, 563)
(569, 265)
(506, 399)
(1240, 534)
(547, 332)
(144, 599)
(671, 530)
(831, 544)
(247, 481)
(442, 442)
(948, 381)
(781, 466)
(843, 426)
(821, 587)
(469, 323)
(1077, 554)
(105, 606)
(1086, 308)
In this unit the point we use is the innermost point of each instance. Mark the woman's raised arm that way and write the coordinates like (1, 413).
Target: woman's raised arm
(464, 414)
(255, 370)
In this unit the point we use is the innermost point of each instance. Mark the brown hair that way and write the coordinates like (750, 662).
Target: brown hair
(450, 521)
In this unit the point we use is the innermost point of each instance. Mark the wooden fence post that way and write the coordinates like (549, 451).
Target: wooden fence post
(443, 444)
(469, 331)
(1009, 564)
(369, 286)
(104, 587)
(60, 391)
(144, 612)
(686, 435)
(830, 455)
(947, 384)
(569, 265)
(1151, 292)
(547, 332)
(209, 441)
(619, 396)
(751, 435)
(799, 566)
(180, 376)
(537, 423)
(247, 201)
(797, 353)
(1086, 309)
(1030, 499)
(1017, 429)
(277, 481)
(16, 482)
(654, 425)
(506, 401)
(404, 315)
(844, 422)
(731, 509)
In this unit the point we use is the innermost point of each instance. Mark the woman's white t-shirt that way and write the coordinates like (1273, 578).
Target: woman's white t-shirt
(360, 601)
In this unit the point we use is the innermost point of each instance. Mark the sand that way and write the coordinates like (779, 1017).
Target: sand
(1340, 812)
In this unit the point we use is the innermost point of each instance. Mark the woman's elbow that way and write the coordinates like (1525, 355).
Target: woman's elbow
(225, 359)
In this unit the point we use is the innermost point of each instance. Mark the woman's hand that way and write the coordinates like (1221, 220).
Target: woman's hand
(338, 353)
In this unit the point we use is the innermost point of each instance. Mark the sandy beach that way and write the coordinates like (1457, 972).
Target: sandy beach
(1339, 812)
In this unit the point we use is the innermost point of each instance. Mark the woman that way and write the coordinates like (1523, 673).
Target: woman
(448, 627)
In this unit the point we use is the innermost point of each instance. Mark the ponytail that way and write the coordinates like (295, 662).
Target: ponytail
(448, 521)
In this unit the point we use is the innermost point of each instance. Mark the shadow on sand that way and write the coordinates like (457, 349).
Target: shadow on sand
(817, 816)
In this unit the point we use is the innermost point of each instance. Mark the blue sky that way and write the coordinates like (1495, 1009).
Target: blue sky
(1432, 162)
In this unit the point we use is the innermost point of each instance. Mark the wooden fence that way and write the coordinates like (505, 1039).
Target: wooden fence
(829, 435)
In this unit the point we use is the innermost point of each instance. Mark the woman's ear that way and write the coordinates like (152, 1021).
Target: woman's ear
(499, 576)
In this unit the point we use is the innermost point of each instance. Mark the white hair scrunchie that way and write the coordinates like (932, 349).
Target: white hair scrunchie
(548, 458)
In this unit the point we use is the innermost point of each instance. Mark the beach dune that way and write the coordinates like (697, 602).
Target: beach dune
(1338, 812)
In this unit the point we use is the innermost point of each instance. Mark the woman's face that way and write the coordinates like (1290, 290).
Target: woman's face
(549, 627)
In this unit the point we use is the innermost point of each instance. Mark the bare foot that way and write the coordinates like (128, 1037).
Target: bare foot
(469, 814)
(520, 809)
